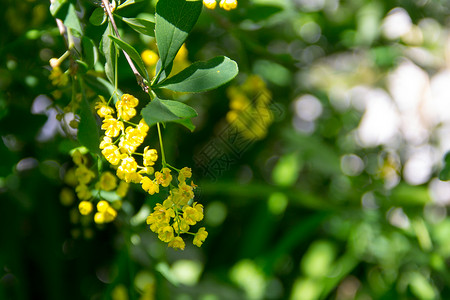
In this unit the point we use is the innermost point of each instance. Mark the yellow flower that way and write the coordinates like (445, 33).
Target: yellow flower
(107, 182)
(133, 138)
(165, 233)
(176, 198)
(199, 209)
(163, 178)
(149, 57)
(180, 225)
(184, 174)
(107, 141)
(99, 218)
(149, 186)
(180, 196)
(112, 126)
(210, 4)
(83, 174)
(122, 190)
(200, 237)
(186, 191)
(128, 165)
(150, 156)
(160, 217)
(112, 154)
(125, 107)
(177, 243)
(58, 78)
(134, 177)
(105, 213)
(228, 4)
(78, 158)
(143, 127)
(193, 214)
(83, 192)
(110, 214)
(85, 207)
(103, 109)
(128, 101)
(126, 146)
(146, 170)
(102, 206)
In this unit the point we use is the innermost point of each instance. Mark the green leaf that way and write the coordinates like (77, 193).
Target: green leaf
(88, 133)
(160, 111)
(56, 6)
(89, 51)
(174, 21)
(202, 76)
(98, 17)
(109, 51)
(128, 2)
(133, 54)
(141, 25)
(164, 73)
(71, 19)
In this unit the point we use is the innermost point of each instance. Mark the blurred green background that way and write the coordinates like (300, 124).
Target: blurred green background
(318, 165)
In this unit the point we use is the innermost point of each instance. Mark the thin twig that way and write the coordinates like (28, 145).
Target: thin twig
(139, 78)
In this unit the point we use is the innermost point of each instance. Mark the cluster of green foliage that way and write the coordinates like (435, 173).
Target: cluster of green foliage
(287, 218)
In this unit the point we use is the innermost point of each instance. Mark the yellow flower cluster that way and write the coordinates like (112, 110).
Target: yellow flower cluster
(120, 142)
(175, 216)
(84, 186)
(249, 108)
(225, 4)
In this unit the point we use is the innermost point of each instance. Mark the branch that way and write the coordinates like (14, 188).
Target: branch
(139, 78)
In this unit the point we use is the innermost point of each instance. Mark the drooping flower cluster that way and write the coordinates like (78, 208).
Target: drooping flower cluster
(119, 147)
(88, 190)
(120, 143)
(250, 109)
(175, 216)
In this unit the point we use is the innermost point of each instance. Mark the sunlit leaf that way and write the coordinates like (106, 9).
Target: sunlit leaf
(71, 20)
(141, 25)
(202, 76)
(174, 21)
(127, 3)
